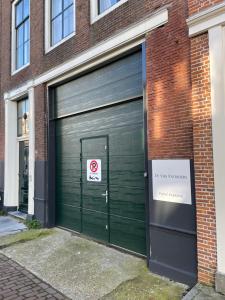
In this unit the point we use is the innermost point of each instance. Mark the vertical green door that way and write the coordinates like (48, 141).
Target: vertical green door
(94, 187)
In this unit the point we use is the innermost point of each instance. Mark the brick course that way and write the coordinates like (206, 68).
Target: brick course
(203, 156)
(196, 6)
(169, 88)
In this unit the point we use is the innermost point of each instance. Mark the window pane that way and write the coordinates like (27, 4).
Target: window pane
(26, 8)
(20, 110)
(19, 57)
(22, 119)
(20, 36)
(57, 30)
(19, 12)
(26, 31)
(68, 21)
(27, 104)
(26, 53)
(19, 127)
(67, 3)
(56, 7)
(105, 4)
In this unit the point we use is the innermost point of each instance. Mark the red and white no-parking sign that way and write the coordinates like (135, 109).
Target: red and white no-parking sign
(94, 170)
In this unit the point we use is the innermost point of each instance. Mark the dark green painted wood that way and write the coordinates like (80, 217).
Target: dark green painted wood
(94, 224)
(80, 204)
(119, 80)
(124, 127)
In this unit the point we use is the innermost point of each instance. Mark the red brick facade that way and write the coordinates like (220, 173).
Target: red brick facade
(203, 149)
(196, 6)
(178, 92)
(203, 156)
(169, 89)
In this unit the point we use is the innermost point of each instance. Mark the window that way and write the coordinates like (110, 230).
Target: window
(103, 5)
(22, 33)
(23, 118)
(62, 20)
(100, 8)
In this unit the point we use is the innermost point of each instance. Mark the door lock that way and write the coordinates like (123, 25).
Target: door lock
(106, 196)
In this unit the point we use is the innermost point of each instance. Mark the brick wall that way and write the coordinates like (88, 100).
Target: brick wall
(87, 35)
(197, 5)
(40, 123)
(203, 156)
(169, 88)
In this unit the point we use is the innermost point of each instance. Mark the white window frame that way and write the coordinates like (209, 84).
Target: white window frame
(94, 10)
(14, 70)
(48, 46)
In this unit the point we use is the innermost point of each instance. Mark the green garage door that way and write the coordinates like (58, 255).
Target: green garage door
(100, 189)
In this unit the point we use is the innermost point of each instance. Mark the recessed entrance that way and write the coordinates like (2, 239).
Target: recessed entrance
(23, 175)
(100, 155)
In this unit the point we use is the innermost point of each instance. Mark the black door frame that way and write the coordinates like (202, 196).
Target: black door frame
(50, 197)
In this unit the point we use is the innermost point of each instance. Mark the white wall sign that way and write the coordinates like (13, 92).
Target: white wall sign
(94, 170)
(172, 181)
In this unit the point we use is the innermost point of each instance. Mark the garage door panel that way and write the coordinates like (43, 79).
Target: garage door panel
(102, 121)
(127, 202)
(68, 193)
(68, 216)
(95, 224)
(92, 197)
(127, 233)
(127, 171)
(116, 81)
(120, 194)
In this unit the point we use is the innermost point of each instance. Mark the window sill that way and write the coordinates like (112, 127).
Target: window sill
(20, 69)
(50, 48)
(106, 12)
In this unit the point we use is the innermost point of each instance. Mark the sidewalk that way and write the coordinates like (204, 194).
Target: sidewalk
(16, 283)
(85, 270)
(9, 225)
(201, 292)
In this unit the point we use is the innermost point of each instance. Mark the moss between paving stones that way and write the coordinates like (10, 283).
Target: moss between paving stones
(23, 237)
(147, 287)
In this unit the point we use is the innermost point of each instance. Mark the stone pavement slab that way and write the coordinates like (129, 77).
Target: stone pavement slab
(201, 292)
(9, 225)
(82, 269)
(16, 283)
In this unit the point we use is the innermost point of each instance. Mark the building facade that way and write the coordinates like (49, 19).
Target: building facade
(111, 114)
(206, 30)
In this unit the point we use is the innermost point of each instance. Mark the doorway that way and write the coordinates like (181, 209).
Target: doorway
(23, 175)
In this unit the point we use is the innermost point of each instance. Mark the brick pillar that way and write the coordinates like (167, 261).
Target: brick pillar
(203, 160)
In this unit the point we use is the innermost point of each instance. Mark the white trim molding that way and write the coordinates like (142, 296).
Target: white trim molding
(116, 44)
(11, 198)
(95, 16)
(11, 194)
(31, 151)
(206, 19)
(217, 72)
(48, 46)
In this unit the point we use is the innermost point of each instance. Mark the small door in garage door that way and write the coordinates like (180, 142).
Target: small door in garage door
(94, 187)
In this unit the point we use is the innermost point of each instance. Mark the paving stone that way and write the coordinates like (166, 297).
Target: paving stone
(19, 284)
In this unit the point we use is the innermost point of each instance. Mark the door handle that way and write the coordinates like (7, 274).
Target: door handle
(106, 196)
